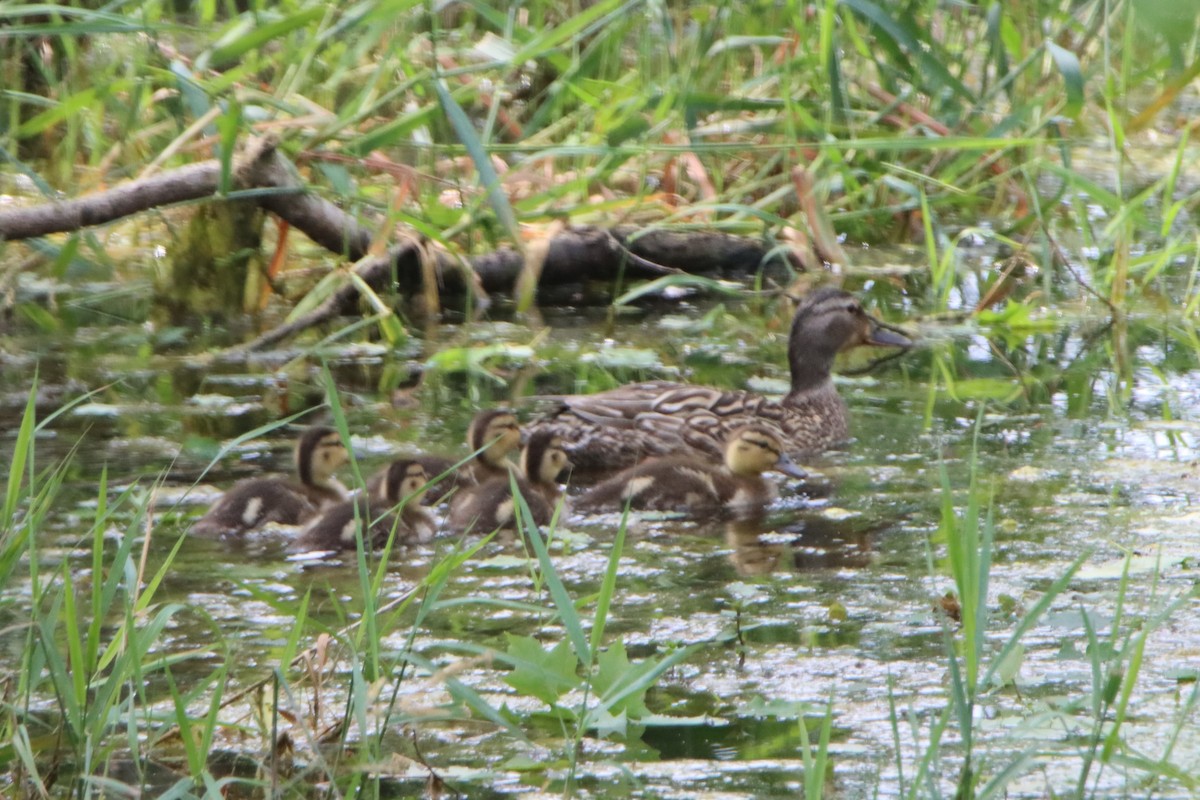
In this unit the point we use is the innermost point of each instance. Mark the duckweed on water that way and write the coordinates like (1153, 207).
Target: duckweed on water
(746, 626)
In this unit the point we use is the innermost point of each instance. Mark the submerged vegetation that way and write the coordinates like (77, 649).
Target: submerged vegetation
(989, 595)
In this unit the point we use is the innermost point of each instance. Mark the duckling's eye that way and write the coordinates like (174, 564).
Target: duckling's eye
(761, 445)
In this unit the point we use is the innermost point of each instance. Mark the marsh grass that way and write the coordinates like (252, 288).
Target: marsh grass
(466, 123)
(90, 644)
(816, 760)
(95, 642)
(981, 675)
(608, 689)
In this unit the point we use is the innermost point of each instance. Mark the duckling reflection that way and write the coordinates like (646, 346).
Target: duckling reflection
(759, 545)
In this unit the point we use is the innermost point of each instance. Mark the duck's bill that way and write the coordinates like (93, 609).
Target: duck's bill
(789, 467)
(884, 335)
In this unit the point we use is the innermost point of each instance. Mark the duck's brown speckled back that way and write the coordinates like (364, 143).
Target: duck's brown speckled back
(613, 430)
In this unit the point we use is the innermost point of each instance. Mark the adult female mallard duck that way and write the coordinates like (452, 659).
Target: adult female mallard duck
(254, 502)
(490, 504)
(403, 482)
(616, 429)
(492, 436)
(688, 483)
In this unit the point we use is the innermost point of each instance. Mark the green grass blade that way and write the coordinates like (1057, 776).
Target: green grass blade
(465, 131)
(892, 28)
(567, 613)
(1068, 66)
(574, 26)
(608, 585)
(22, 452)
(259, 35)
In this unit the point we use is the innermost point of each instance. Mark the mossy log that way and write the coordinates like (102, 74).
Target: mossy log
(216, 268)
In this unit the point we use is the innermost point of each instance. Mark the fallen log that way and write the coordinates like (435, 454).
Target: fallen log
(261, 173)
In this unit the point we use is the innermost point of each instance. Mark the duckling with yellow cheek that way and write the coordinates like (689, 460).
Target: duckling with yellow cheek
(255, 502)
(689, 484)
(492, 436)
(490, 504)
(403, 485)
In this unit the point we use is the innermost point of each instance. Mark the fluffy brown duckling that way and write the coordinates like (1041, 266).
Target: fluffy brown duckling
(493, 435)
(615, 429)
(688, 483)
(255, 502)
(490, 504)
(403, 485)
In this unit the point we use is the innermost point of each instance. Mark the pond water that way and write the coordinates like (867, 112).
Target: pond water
(1085, 449)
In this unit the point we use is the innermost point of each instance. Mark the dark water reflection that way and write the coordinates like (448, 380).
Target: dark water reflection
(1077, 431)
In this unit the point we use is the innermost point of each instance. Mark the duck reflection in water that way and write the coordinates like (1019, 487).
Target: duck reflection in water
(759, 545)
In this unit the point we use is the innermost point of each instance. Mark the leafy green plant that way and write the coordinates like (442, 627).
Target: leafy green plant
(816, 764)
(969, 541)
(613, 688)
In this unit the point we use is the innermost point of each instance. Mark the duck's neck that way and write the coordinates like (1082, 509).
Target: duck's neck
(487, 465)
(809, 359)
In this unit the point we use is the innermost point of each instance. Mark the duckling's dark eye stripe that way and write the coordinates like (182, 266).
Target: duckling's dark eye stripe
(765, 444)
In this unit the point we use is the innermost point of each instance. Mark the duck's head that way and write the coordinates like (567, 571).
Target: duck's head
(319, 453)
(496, 430)
(754, 449)
(405, 479)
(544, 458)
(833, 320)
(827, 322)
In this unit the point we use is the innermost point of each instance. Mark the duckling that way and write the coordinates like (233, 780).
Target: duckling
(490, 504)
(404, 483)
(684, 483)
(254, 502)
(616, 429)
(498, 427)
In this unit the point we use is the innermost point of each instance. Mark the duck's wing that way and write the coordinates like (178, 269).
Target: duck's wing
(612, 430)
(624, 403)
